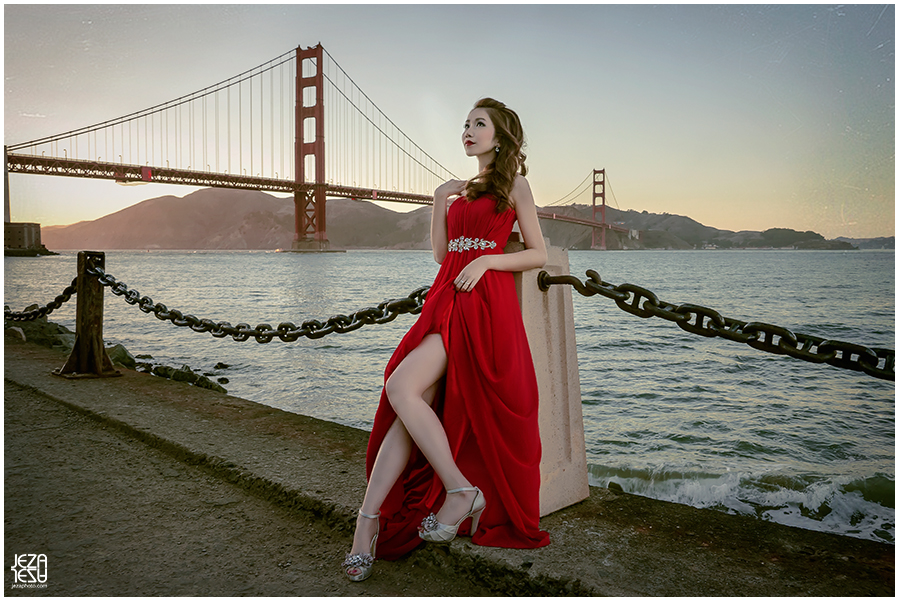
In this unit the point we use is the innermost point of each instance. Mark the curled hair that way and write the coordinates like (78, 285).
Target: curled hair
(499, 176)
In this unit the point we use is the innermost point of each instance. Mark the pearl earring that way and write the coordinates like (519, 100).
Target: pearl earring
(497, 149)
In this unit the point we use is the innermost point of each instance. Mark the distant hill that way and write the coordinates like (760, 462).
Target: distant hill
(870, 243)
(239, 219)
(244, 219)
(206, 219)
(667, 231)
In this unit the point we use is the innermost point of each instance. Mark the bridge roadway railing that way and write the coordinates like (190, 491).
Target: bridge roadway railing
(633, 299)
(124, 172)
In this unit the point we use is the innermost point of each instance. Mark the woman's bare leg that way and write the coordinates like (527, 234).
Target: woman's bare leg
(392, 458)
(393, 455)
(411, 390)
(406, 389)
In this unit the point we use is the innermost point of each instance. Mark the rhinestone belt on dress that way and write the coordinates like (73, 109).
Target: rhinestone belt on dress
(469, 244)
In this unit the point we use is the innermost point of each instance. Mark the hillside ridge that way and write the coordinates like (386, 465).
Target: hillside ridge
(224, 219)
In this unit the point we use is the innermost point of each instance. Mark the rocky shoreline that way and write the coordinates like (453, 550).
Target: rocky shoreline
(56, 336)
(31, 252)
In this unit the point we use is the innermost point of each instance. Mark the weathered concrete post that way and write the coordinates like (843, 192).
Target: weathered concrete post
(550, 326)
(88, 358)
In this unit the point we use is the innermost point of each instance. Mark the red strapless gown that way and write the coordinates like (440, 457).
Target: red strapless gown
(489, 402)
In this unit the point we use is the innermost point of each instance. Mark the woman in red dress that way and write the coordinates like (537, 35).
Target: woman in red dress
(457, 426)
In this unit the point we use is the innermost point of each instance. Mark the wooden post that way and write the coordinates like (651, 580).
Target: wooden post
(88, 358)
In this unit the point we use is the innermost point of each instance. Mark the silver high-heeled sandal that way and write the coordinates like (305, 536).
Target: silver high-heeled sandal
(362, 562)
(437, 532)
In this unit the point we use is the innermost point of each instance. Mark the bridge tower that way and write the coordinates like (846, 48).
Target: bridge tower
(599, 180)
(309, 141)
(6, 215)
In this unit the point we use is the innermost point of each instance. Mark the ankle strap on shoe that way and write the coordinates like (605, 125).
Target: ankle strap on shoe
(461, 489)
(372, 516)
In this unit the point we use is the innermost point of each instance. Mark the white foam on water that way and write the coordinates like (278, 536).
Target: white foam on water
(834, 505)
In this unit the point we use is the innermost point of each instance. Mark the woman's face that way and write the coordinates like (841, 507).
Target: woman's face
(478, 133)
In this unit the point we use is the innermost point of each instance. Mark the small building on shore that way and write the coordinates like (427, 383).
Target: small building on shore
(19, 238)
(23, 238)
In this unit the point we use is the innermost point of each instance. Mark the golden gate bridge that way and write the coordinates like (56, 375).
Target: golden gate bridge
(296, 124)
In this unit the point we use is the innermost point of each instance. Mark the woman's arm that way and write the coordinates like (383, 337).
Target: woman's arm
(534, 255)
(439, 237)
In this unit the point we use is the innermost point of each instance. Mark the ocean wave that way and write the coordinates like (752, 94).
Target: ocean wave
(851, 506)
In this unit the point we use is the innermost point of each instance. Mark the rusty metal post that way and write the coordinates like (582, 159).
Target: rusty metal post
(88, 358)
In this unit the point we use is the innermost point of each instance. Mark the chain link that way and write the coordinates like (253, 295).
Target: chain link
(263, 333)
(27, 316)
(708, 322)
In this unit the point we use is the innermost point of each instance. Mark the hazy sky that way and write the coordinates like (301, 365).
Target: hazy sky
(741, 117)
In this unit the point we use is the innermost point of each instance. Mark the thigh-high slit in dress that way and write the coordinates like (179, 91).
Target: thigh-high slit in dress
(487, 401)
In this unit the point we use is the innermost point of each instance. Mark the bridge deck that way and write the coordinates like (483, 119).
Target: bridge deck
(121, 172)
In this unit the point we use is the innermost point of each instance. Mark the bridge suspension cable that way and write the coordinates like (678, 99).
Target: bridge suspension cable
(242, 132)
(186, 133)
(579, 190)
(615, 202)
(572, 195)
(367, 148)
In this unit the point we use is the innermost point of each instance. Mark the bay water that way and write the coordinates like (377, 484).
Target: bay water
(667, 414)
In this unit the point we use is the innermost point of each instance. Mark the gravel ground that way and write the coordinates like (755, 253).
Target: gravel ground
(117, 517)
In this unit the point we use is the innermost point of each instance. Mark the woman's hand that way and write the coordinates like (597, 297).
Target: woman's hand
(439, 216)
(448, 189)
(470, 275)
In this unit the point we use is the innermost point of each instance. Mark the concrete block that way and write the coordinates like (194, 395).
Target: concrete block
(550, 326)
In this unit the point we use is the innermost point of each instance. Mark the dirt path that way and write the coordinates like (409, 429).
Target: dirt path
(117, 517)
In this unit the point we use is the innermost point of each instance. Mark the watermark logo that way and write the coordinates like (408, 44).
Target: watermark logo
(29, 570)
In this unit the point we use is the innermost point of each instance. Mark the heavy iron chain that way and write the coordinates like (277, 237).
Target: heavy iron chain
(695, 319)
(710, 323)
(263, 333)
(27, 316)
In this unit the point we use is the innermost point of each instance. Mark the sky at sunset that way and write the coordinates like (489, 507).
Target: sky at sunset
(741, 117)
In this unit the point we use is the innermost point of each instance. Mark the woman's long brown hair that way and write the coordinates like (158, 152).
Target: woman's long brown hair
(498, 178)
